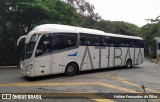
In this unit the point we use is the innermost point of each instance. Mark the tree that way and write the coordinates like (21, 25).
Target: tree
(86, 11)
(62, 13)
(18, 17)
(149, 32)
(82, 7)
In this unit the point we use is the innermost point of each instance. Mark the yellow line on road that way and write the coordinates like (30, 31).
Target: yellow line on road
(80, 94)
(94, 97)
(87, 95)
(119, 79)
(73, 83)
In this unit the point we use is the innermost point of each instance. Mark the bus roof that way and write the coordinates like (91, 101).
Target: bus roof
(57, 28)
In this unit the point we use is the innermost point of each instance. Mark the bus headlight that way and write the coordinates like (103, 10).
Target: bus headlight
(21, 66)
(30, 66)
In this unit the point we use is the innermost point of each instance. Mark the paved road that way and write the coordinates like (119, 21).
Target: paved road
(99, 85)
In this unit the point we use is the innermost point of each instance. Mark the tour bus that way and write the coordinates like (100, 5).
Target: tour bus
(53, 48)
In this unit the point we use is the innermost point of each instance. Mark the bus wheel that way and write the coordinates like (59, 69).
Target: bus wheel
(129, 63)
(71, 69)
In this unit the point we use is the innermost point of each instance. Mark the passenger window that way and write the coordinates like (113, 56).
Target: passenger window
(104, 41)
(55, 42)
(62, 41)
(84, 39)
(43, 46)
(134, 44)
(109, 41)
(142, 44)
(138, 43)
(89, 40)
(112, 41)
(123, 42)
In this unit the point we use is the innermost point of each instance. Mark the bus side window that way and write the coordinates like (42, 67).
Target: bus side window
(70, 40)
(84, 40)
(89, 40)
(104, 41)
(123, 42)
(120, 42)
(112, 41)
(95, 40)
(43, 45)
(61, 41)
(135, 43)
(142, 44)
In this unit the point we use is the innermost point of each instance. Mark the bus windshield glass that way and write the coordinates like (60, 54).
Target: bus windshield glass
(29, 48)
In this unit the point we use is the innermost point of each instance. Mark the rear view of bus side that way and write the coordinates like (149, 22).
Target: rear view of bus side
(53, 49)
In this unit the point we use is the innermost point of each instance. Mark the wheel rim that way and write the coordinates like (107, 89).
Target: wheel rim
(70, 69)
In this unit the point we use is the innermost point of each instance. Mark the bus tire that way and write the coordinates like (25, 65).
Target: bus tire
(129, 63)
(71, 69)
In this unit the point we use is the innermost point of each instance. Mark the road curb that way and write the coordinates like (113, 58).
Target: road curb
(153, 60)
(8, 67)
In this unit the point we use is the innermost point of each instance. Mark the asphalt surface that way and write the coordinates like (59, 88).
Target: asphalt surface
(99, 85)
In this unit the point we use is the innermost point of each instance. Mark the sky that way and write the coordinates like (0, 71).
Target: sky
(132, 11)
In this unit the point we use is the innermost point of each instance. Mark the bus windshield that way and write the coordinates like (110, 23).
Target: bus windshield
(29, 48)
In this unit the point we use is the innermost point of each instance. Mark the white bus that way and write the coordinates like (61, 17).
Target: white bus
(54, 48)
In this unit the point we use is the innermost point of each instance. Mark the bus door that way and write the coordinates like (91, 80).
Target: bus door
(62, 46)
(43, 57)
(57, 48)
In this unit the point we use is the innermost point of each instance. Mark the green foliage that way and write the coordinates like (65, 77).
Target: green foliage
(63, 13)
(117, 27)
(18, 17)
(126, 28)
(149, 32)
(82, 7)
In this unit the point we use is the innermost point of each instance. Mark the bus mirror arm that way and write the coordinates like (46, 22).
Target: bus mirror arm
(22, 37)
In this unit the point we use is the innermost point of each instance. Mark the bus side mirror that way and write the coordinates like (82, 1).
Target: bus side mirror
(20, 39)
(38, 51)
